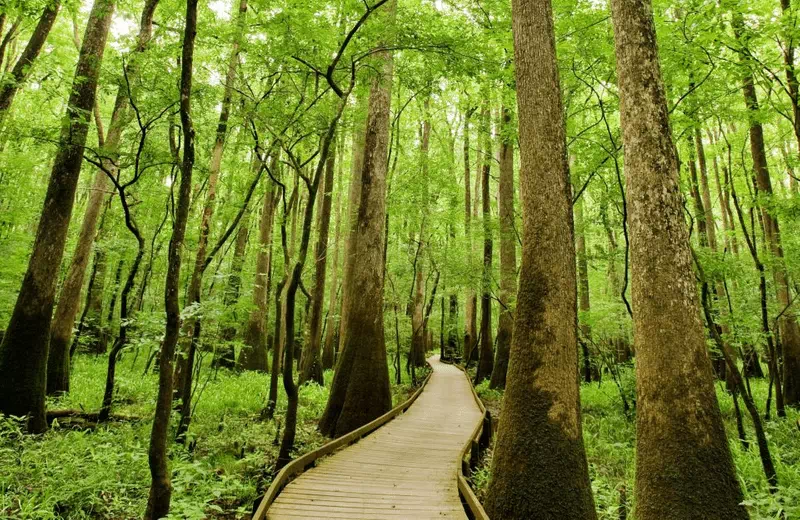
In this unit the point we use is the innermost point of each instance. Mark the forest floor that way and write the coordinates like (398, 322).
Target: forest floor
(103, 472)
(610, 437)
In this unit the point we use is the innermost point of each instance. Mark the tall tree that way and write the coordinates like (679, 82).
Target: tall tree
(360, 389)
(539, 469)
(470, 313)
(486, 355)
(161, 487)
(310, 362)
(683, 463)
(58, 363)
(508, 251)
(24, 350)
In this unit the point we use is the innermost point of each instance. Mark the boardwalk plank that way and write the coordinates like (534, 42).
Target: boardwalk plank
(406, 469)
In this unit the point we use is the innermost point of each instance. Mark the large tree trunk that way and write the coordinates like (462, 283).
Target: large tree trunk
(24, 350)
(683, 464)
(160, 487)
(417, 354)
(486, 358)
(310, 363)
(360, 391)
(539, 469)
(787, 324)
(508, 252)
(471, 305)
(58, 363)
(254, 353)
(23, 65)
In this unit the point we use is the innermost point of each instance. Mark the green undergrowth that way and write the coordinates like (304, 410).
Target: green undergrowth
(609, 438)
(103, 472)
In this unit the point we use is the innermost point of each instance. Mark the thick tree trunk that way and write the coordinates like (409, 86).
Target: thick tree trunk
(684, 468)
(787, 325)
(254, 354)
(360, 391)
(160, 488)
(24, 350)
(23, 65)
(310, 362)
(508, 252)
(417, 353)
(486, 358)
(539, 469)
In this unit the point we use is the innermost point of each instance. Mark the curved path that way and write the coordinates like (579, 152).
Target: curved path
(405, 470)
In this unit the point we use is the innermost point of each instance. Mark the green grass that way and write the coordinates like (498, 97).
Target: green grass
(103, 473)
(610, 437)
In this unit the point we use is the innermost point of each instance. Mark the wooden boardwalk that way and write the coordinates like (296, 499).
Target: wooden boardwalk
(405, 470)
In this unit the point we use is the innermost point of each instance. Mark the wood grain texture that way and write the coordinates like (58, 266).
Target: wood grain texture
(406, 469)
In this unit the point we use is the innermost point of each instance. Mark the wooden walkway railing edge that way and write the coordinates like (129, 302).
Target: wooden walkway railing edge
(305, 462)
(470, 454)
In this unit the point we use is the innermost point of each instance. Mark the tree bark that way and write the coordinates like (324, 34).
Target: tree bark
(24, 350)
(508, 252)
(360, 391)
(684, 468)
(539, 468)
(160, 488)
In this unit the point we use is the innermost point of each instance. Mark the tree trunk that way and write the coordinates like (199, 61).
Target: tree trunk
(24, 350)
(787, 324)
(184, 370)
(470, 312)
(58, 363)
(508, 252)
(160, 487)
(539, 468)
(360, 391)
(328, 352)
(584, 304)
(254, 353)
(310, 363)
(683, 463)
(226, 356)
(23, 65)
(486, 358)
(354, 199)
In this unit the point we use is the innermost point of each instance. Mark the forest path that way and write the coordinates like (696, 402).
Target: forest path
(405, 469)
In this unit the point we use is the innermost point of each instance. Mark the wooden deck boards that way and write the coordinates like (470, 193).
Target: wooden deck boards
(404, 470)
